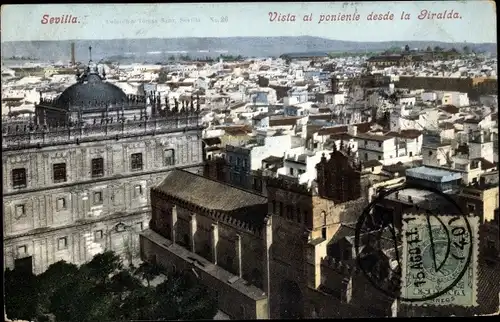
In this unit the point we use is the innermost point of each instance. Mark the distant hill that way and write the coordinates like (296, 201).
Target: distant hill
(157, 49)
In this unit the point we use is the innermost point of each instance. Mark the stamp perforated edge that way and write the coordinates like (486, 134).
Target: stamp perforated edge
(474, 225)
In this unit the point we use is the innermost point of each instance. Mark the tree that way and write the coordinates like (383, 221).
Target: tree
(20, 288)
(147, 271)
(466, 50)
(438, 49)
(102, 266)
(183, 297)
(102, 290)
(58, 275)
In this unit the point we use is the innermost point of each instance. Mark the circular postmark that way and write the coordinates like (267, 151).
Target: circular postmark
(438, 252)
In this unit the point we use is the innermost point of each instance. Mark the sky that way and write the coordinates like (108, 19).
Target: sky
(474, 22)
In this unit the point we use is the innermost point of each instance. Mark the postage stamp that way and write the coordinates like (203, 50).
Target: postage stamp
(439, 259)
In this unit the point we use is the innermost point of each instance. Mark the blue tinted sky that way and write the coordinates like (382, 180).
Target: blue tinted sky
(24, 22)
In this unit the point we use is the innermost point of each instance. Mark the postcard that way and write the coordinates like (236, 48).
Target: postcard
(250, 160)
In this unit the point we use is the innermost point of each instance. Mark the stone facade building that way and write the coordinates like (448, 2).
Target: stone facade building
(287, 255)
(76, 178)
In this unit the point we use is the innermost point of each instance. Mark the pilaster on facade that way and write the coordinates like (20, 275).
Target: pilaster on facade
(214, 242)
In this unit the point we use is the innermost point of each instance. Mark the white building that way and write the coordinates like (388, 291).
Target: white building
(271, 146)
(429, 96)
(455, 98)
(301, 164)
(335, 99)
(390, 148)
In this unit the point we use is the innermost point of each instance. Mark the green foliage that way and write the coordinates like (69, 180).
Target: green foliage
(182, 296)
(102, 290)
(19, 288)
(147, 271)
(102, 266)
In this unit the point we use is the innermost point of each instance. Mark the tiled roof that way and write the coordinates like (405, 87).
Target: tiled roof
(472, 121)
(485, 164)
(332, 130)
(371, 163)
(273, 159)
(238, 130)
(406, 134)
(451, 109)
(326, 117)
(214, 195)
(212, 141)
(373, 137)
(283, 121)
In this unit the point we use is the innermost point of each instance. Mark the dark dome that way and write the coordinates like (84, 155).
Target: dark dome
(91, 92)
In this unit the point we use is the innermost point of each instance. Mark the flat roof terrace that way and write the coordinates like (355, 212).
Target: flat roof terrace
(433, 174)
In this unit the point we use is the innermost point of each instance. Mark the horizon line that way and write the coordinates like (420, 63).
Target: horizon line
(226, 37)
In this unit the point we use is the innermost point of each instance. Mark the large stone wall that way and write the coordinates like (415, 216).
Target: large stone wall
(37, 216)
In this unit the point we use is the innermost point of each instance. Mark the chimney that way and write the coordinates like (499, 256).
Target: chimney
(73, 62)
(352, 130)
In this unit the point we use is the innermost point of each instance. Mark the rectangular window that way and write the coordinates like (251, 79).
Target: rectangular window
(62, 243)
(471, 207)
(380, 144)
(97, 198)
(136, 161)
(140, 226)
(379, 157)
(61, 204)
(366, 156)
(137, 191)
(59, 170)
(98, 235)
(22, 250)
(20, 211)
(169, 157)
(291, 171)
(19, 178)
(97, 167)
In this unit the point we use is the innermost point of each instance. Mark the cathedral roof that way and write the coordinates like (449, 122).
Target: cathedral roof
(91, 90)
(214, 195)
